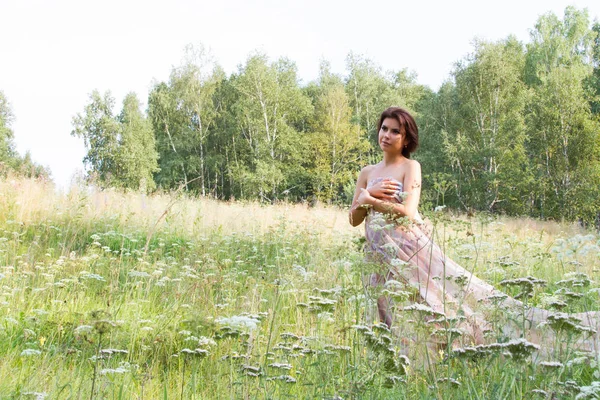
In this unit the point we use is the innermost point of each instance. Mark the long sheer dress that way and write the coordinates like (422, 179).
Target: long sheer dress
(404, 252)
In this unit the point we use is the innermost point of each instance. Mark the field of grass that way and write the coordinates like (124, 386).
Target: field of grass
(245, 301)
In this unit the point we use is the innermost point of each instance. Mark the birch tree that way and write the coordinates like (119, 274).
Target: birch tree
(183, 112)
(99, 130)
(334, 146)
(487, 144)
(137, 159)
(563, 133)
(269, 109)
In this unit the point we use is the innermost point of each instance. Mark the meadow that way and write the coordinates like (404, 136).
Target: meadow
(114, 295)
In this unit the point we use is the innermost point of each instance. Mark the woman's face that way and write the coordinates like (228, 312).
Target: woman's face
(391, 136)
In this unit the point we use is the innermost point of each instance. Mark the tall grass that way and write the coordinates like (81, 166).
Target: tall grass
(241, 300)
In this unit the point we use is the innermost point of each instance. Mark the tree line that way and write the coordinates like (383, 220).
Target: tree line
(11, 162)
(515, 129)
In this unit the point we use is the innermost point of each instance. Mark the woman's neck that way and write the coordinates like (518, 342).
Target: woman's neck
(390, 159)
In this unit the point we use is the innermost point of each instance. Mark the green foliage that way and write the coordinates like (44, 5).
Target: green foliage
(10, 160)
(182, 114)
(121, 150)
(594, 81)
(26, 167)
(485, 141)
(514, 130)
(268, 117)
(6, 134)
(335, 143)
(137, 159)
(99, 130)
(563, 133)
(371, 90)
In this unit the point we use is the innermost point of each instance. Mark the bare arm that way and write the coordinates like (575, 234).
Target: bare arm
(412, 186)
(357, 213)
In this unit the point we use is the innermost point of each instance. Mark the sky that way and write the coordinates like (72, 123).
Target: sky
(54, 53)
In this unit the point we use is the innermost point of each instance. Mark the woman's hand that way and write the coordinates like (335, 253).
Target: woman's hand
(365, 198)
(385, 189)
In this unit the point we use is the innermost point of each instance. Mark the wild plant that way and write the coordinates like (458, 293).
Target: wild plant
(270, 302)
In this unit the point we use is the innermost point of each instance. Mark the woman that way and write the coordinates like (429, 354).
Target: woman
(387, 196)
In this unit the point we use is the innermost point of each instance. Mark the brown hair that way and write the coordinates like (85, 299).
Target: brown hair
(407, 124)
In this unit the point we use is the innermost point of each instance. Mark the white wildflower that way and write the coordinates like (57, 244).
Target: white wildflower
(449, 380)
(37, 395)
(551, 364)
(113, 351)
(285, 378)
(356, 298)
(375, 227)
(289, 336)
(30, 352)
(333, 291)
(541, 392)
(29, 333)
(196, 352)
(281, 366)
(83, 329)
(589, 392)
(239, 322)
(390, 248)
(95, 277)
(139, 274)
(393, 285)
(398, 263)
(421, 308)
(163, 281)
(325, 317)
(306, 275)
(205, 341)
(118, 370)
(577, 361)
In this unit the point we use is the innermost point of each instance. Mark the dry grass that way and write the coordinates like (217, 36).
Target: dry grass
(32, 201)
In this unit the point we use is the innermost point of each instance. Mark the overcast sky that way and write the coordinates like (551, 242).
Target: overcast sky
(54, 53)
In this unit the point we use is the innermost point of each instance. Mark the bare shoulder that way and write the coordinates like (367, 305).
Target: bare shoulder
(363, 177)
(366, 171)
(412, 179)
(413, 163)
(413, 166)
